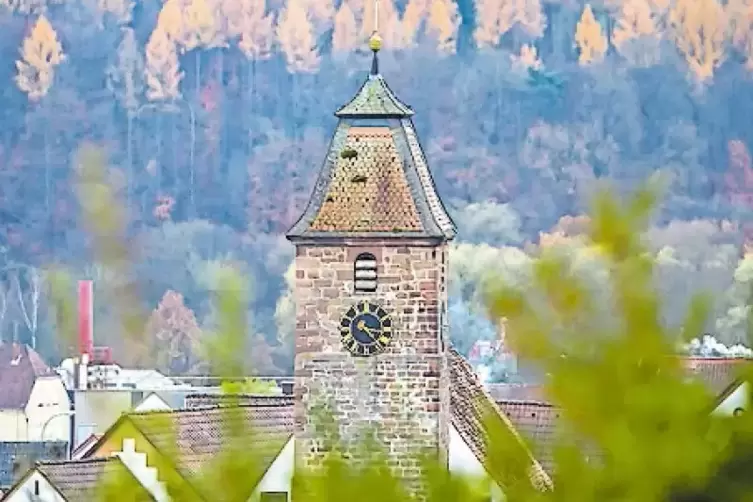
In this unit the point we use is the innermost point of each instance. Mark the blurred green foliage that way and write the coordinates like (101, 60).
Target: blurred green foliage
(634, 428)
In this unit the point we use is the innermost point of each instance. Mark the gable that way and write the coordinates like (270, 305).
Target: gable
(124, 428)
(152, 402)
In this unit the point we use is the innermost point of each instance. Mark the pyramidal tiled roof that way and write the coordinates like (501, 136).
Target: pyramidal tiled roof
(375, 99)
(375, 181)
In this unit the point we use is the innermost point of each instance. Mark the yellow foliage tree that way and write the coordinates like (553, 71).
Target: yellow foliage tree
(589, 38)
(740, 15)
(295, 34)
(170, 19)
(345, 34)
(493, 19)
(40, 54)
(635, 35)
(201, 26)
(162, 70)
(528, 58)
(414, 18)
(443, 24)
(256, 29)
(529, 15)
(699, 29)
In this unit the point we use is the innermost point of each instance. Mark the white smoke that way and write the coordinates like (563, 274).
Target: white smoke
(708, 346)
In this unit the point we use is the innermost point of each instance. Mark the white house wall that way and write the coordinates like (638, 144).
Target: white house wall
(279, 476)
(48, 398)
(464, 463)
(13, 425)
(737, 399)
(25, 491)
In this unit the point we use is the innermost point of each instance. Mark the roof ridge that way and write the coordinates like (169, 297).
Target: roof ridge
(92, 460)
(526, 402)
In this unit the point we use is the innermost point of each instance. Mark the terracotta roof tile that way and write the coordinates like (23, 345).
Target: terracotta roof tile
(536, 422)
(471, 404)
(368, 191)
(20, 366)
(717, 373)
(199, 434)
(79, 480)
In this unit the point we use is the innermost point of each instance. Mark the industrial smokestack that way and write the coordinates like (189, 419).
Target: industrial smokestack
(85, 319)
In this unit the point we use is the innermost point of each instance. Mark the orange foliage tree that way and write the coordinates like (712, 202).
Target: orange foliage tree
(175, 335)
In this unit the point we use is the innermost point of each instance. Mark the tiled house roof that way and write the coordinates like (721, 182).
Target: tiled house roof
(717, 373)
(196, 436)
(471, 405)
(20, 366)
(516, 392)
(17, 457)
(81, 480)
(209, 400)
(536, 422)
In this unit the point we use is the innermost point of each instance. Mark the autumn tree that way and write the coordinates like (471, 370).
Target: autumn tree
(170, 20)
(527, 58)
(175, 335)
(589, 37)
(442, 25)
(256, 30)
(41, 53)
(126, 81)
(295, 34)
(636, 35)
(345, 33)
(740, 15)
(699, 29)
(162, 72)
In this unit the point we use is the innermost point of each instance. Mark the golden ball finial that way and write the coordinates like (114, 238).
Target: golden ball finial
(375, 42)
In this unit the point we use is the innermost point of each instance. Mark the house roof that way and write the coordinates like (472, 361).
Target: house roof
(85, 446)
(516, 392)
(80, 480)
(16, 457)
(718, 374)
(536, 421)
(471, 407)
(20, 366)
(198, 435)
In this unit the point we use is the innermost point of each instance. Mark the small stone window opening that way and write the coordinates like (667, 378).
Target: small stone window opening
(365, 273)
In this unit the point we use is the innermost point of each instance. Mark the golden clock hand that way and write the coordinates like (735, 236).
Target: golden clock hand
(362, 327)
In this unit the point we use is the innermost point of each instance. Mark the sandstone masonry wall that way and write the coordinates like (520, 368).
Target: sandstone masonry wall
(405, 390)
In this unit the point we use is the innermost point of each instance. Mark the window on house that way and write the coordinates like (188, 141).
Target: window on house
(274, 497)
(365, 273)
(738, 412)
(36, 487)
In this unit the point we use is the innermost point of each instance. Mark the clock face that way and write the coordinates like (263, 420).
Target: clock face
(366, 329)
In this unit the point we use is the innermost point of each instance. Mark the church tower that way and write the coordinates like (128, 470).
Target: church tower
(371, 338)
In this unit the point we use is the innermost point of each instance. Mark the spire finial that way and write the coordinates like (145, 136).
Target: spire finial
(375, 42)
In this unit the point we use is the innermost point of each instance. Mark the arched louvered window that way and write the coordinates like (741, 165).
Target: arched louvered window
(365, 273)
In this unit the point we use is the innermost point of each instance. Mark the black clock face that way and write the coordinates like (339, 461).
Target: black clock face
(366, 329)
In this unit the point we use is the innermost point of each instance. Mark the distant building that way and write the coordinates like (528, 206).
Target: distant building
(34, 404)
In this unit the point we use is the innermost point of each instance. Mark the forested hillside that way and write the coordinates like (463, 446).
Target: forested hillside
(216, 116)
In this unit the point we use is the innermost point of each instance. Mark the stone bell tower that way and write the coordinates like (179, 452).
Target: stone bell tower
(370, 290)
